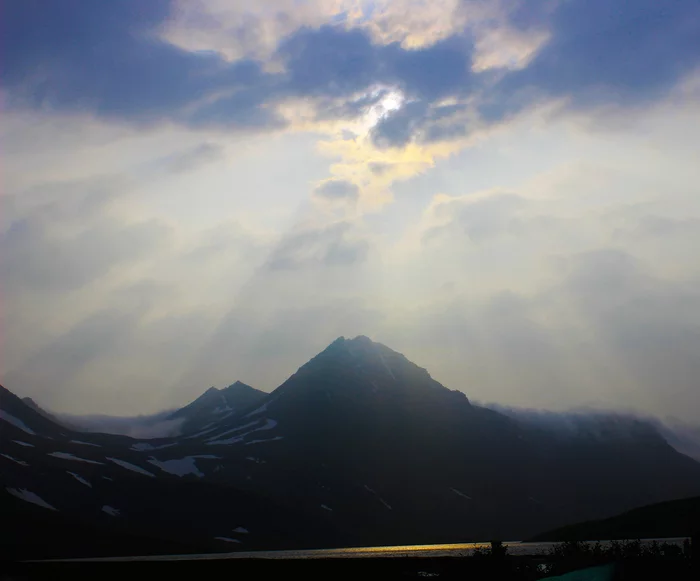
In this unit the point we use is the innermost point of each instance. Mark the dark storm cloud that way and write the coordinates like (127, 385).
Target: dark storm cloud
(331, 61)
(335, 190)
(604, 52)
(106, 58)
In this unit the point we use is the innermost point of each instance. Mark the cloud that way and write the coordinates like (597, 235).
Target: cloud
(685, 438)
(338, 190)
(194, 158)
(64, 357)
(476, 217)
(106, 59)
(41, 259)
(336, 245)
(140, 427)
(604, 52)
(111, 61)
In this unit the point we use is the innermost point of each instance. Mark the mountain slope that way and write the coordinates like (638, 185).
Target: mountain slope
(215, 405)
(363, 434)
(675, 518)
(114, 486)
(358, 447)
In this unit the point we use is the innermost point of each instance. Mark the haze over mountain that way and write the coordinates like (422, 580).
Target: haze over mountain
(359, 447)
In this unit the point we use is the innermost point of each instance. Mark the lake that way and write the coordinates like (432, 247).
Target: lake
(451, 550)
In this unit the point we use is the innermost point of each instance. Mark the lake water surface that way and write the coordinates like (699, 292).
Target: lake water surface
(453, 550)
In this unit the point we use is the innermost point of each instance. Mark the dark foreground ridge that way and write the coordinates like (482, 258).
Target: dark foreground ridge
(675, 518)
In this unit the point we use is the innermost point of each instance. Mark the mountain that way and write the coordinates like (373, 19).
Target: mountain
(108, 495)
(216, 405)
(35, 406)
(359, 447)
(672, 519)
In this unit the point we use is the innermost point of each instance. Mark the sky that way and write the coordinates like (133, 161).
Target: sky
(196, 192)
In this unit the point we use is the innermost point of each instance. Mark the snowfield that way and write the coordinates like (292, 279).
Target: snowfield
(67, 456)
(261, 441)
(79, 479)
(16, 422)
(146, 447)
(234, 430)
(29, 496)
(21, 443)
(269, 425)
(130, 466)
(85, 443)
(110, 510)
(20, 462)
(181, 466)
(457, 492)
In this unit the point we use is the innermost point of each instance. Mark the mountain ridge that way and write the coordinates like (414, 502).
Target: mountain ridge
(359, 446)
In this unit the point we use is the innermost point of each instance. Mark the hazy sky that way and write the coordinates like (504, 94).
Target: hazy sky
(200, 191)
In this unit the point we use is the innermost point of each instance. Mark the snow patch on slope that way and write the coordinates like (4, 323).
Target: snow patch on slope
(240, 530)
(234, 430)
(130, 466)
(200, 434)
(181, 466)
(20, 462)
(269, 425)
(21, 443)
(379, 498)
(460, 494)
(16, 422)
(261, 441)
(67, 456)
(79, 479)
(110, 510)
(227, 539)
(85, 443)
(29, 496)
(146, 447)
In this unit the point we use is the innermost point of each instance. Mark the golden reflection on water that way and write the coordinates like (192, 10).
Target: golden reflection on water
(409, 548)
(447, 550)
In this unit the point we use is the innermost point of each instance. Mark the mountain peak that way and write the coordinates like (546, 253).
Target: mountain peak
(371, 365)
(238, 386)
(216, 404)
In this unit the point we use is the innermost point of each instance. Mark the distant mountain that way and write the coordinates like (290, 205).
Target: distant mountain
(675, 518)
(359, 447)
(35, 406)
(216, 405)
